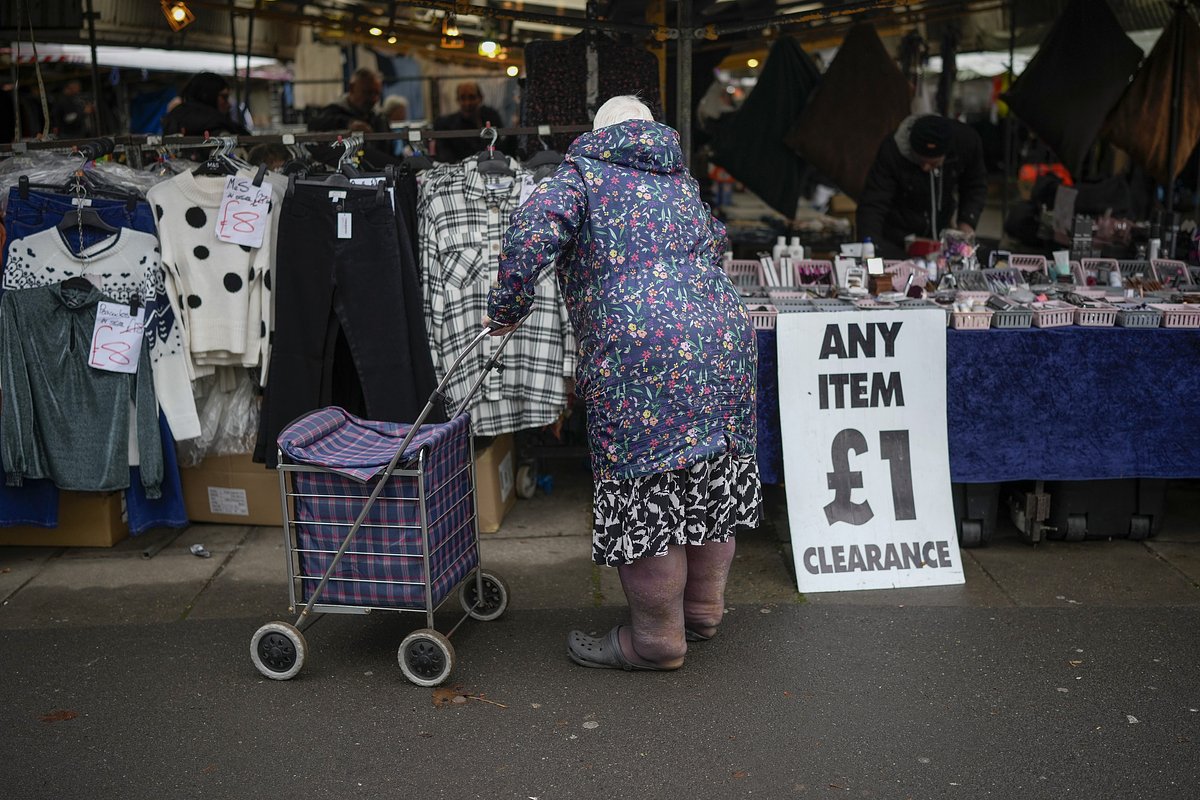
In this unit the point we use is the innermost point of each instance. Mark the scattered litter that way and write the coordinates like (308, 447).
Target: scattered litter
(535, 705)
(764, 611)
(591, 725)
(1132, 719)
(60, 715)
(1063, 689)
(200, 550)
(925, 760)
(368, 673)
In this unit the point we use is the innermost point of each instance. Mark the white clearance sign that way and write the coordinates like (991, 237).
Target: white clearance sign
(862, 398)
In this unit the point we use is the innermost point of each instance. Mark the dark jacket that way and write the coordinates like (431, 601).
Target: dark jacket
(897, 199)
(191, 118)
(337, 117)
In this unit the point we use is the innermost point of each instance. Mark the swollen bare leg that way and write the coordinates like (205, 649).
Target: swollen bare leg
(704, 595)
(654, 588)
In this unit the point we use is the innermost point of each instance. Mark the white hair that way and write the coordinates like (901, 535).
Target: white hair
(619, 109)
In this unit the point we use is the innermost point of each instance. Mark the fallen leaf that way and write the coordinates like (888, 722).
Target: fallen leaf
(61, 715)
(210, 768)
(740, 774)
(443, 696)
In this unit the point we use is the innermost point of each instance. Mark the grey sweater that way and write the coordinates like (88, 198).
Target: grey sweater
(62, 419)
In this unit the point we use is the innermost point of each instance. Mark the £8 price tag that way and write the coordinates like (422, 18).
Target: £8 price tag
(117, 338)
(244, 212)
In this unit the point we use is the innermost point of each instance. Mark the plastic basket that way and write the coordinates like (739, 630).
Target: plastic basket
(762, 317)
(1166, 269)
(1178, 315)
(1138, 317)
(777, 294)
(971, 320)
(1096, 316)
(1053, 314)
(963, 295)
(744, 273)
(1028, 263)
(811, 270)
(1012, 318)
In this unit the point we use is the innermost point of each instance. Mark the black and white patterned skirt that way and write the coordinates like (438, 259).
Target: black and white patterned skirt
(708, 502)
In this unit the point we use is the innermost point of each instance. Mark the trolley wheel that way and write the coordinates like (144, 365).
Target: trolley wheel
(494, 600)
(278, 650)
(1139, 527)
(426, 657)
(1076, 527)
(972, 533)
(526, 481)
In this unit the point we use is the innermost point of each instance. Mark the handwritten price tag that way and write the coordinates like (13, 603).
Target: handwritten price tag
(117, 338)
(244, 212)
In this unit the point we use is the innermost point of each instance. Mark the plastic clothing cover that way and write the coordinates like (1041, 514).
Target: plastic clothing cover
(1140, 124)
(1074, 80)
(749, 144)
(862, 98)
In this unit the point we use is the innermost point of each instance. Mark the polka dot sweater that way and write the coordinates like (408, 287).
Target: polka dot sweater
(219, 291)
(123, 265)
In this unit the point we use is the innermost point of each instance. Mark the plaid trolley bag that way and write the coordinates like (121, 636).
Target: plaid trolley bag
(380, 516)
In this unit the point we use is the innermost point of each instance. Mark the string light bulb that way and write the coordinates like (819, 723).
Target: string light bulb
(449, 25)
(178, 15)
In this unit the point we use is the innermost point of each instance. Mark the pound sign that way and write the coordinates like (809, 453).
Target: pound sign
(843, 481)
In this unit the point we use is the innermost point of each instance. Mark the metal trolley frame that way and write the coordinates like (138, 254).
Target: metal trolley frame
(426, 656)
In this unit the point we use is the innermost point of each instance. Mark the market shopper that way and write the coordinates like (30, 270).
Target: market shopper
(355, 113)
(666, 369)
(203, 108)
(472, 114)
(929, 169)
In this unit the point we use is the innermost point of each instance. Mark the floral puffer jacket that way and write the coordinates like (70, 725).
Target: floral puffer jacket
(667, 355)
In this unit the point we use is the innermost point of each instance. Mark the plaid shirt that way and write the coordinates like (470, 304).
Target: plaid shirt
(461, 224)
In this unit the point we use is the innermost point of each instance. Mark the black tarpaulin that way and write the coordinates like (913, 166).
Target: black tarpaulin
(749, 144)
(1141, 122)
(862, 98)
(1080, 70)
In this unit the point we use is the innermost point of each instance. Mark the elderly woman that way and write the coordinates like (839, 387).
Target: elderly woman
(666, 371)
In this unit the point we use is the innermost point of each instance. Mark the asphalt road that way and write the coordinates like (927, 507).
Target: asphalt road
(803, 700)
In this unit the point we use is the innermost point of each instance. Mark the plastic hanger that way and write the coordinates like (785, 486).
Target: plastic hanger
(488, 162)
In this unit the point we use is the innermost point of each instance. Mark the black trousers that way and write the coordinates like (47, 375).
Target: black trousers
(357, 295)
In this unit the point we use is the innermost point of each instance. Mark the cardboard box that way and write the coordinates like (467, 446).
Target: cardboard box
(85, 519)
(233, 490)
(495, 492)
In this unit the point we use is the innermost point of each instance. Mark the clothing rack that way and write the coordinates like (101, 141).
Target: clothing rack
(151, 141)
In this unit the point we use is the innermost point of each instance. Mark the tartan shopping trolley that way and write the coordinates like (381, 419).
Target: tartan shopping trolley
(371, 525)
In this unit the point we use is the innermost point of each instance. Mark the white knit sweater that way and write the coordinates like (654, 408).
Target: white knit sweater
(124, 264)
(220, 291)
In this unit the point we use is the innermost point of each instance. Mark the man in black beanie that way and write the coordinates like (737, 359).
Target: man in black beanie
(929, 169)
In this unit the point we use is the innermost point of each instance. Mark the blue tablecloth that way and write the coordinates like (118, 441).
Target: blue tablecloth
(1049, 404)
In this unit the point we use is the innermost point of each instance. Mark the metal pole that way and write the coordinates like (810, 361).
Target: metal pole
(249, 52)
(683, 80)
(237, 91)
(97, 100)
(1009, 131)
(1173, 138)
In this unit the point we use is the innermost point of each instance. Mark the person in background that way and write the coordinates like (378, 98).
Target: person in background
(667, 372)
(273, 155)
(395, 110)
(355, 113)
(71, 114)
(204, 107)
(472, 114)
(929, 169)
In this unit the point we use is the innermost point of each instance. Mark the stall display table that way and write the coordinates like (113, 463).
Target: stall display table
(1066, 404)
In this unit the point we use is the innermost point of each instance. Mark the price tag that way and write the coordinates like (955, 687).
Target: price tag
(117, 338)
(244, 212)
(344, 225)
(527, 187)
